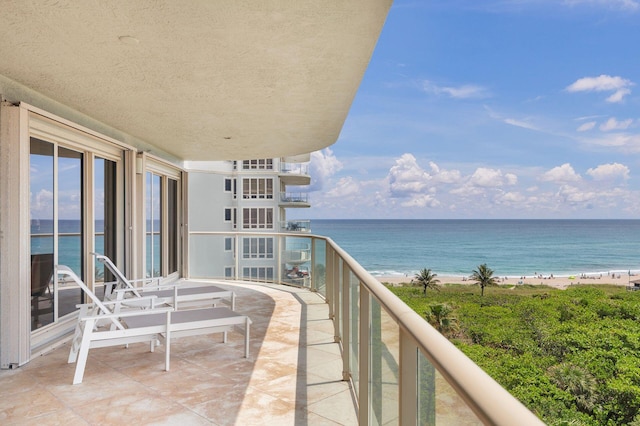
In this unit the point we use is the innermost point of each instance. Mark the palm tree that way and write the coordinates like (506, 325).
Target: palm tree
(578, 381)
(426, 279)
(439, 316)
(483, 276)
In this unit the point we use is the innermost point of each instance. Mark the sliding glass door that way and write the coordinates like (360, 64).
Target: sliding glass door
(105, 191)
(153, 238)
(162, 221)
(57, 231)
(73, 210)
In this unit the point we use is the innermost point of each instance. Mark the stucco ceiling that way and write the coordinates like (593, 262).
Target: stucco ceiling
(199, 79)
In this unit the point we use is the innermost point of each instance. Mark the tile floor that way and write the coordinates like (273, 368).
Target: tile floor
(292, 377)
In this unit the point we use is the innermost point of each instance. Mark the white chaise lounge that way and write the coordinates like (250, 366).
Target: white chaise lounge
(174, 294)
(142, 325)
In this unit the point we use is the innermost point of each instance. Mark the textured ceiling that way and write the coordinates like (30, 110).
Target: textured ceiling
(201, 80)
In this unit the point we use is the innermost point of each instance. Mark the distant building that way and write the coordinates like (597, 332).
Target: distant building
(250, 197)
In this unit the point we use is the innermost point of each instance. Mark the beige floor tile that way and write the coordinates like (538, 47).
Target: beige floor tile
(293, 375)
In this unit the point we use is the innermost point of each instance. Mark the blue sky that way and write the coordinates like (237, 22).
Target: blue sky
(492, 109)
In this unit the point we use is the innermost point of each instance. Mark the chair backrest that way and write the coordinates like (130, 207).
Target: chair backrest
(41, 272)
(65, 270)
(122, 280)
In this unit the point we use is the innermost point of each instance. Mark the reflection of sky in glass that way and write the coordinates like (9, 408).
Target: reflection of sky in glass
(98, 188)
(152, 205)
(41, 181)
(69, 187)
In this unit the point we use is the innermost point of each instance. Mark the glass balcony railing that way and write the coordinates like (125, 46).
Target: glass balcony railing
(294, 168)
(402, 370)
(296, 226)
(294, 197)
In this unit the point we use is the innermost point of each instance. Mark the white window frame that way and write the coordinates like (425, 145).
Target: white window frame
(258, 164)
(257, 188)
(229, 271)
(257, 248)
(257, 218)
(258, 273)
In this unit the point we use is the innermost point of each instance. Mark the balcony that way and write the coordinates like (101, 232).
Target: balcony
(296, 225)
(294, 199)
(295, 173)
(341, 335)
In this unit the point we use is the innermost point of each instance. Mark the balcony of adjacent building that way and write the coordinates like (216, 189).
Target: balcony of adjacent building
(294, 200)
(296, 225)
(295, 170)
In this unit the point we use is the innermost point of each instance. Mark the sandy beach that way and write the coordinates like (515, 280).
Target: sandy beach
(556, 282)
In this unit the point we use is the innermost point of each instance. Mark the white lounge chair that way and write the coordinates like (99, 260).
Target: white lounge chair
(183, 293)
(142, 325)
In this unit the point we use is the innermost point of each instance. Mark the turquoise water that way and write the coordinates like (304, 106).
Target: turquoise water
(453, 247)
(510, 247)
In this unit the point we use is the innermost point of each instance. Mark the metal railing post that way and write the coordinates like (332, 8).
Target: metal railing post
(346, 337)
(408, 381)
(364, 367)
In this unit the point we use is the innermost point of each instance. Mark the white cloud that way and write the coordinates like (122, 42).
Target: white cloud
(467, 91)
(407, 177)
(603, 83)
(323, 165)
(510, 198)
(564, 173)
(491, 178)
(421, 200)
(613, 124)
(573, 195)
(630, 5)
(609, 172)
(42, 204)
(444, 176)
(520, 123)
(345, 187)
(622, 141)
(618, 95)
(586, 126)
(510, 121)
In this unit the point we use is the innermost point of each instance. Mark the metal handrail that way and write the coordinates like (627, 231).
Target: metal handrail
(486, 398)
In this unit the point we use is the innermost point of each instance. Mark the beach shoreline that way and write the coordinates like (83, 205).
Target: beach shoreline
(550, 281)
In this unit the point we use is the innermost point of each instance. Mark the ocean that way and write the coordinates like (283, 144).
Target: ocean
(512, 248)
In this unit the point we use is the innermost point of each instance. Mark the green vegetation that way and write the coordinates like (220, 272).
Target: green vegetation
(572, 356)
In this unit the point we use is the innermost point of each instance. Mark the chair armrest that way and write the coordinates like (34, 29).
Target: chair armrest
(124, 301)
(145, 280)
(128, 314)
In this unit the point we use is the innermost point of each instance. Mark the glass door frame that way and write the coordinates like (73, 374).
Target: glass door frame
(147, 163)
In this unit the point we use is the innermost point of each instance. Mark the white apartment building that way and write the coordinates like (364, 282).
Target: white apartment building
(245, 200)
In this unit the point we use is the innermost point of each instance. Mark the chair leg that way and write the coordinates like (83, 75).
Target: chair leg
(84, 352)
(167, 343)
(77, 336)
(247, 327)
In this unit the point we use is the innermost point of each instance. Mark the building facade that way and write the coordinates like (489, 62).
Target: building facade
(234, 204)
